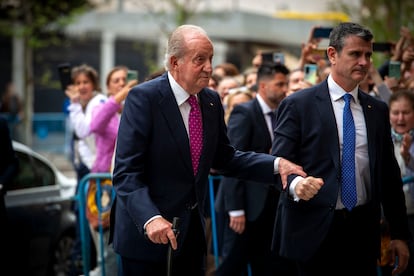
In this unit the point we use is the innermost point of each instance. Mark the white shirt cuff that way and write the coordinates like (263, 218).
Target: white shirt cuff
(292, 187)
(236, 213)
(276, 165)
(151, 219)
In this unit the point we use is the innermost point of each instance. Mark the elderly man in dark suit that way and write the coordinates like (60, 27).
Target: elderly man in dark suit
(172, 132)
(330, 224)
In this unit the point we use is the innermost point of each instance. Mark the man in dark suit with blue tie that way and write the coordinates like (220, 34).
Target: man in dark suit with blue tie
(330, 224)
(250, 208)
(163, 158)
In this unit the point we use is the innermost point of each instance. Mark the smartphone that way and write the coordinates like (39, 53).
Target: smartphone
(322, 32)
(273, 57)
(64, 70)
(132, 75)
(381, 46)
(311, 73)
(394, 69)
(279, 58)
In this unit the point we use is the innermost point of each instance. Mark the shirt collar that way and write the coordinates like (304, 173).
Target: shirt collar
(179, 93)
(338, 92)
(265, 108)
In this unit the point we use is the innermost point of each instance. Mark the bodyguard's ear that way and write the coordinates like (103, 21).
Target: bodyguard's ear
(331, 52)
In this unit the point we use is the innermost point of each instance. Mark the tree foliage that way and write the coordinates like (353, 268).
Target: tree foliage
(383, 17)
(40, 22)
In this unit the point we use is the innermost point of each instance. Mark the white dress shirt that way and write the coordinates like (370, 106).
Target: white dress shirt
(362, 174)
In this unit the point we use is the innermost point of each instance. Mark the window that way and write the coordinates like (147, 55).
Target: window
(32, 173)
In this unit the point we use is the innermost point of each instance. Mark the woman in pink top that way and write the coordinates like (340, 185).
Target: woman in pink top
(106, 117)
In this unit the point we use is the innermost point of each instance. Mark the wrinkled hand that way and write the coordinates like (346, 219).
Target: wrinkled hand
(238, 223)
(159, 231)
(286, 168)
(308, 187)
(399, 248)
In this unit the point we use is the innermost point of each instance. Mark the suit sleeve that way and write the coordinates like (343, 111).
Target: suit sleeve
(131, 150)
(238, 130)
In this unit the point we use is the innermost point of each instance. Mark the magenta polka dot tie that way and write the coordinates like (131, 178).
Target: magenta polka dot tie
(349, 193)
(195, 126)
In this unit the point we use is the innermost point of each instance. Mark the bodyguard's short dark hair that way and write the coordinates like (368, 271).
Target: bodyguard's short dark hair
(345, 29)
(269, 69)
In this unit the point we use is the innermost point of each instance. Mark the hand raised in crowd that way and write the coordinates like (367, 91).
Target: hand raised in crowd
(391, 82)
(72, 93)
(405, 147)
(308, 52)
(123, 93)
(308, 187)
(405, 40)
(286, 168)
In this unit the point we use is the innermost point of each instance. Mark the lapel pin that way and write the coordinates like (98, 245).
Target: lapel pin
(211, 104)
(369, 106)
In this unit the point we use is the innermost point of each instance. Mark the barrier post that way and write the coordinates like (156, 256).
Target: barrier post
(211, 179)
(83, 222)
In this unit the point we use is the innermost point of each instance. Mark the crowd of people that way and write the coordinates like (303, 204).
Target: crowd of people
(277, 140)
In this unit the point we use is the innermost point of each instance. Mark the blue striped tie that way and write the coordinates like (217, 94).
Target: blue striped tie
(349, 194)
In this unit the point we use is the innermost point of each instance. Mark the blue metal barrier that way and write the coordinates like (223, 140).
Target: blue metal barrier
(408, 179)
(81, 197)
(211, 179)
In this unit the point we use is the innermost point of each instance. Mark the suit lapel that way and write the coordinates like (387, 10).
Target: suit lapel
(169, 108)
(172, 116)
(262, 122)
(370, 122)
(327, 117)
(208, 105)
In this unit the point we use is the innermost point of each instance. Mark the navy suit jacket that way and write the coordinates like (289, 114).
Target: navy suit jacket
(247, 131)
(153, 173)
(306, 134)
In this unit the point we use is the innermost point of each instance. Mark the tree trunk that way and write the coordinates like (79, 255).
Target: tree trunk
(28, 95)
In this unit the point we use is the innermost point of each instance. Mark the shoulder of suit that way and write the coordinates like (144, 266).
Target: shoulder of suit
(364, 97)
(210, 95)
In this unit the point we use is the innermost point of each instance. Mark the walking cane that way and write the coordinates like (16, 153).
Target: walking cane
(169, 253)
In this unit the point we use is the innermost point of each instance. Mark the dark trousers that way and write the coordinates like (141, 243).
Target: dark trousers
(190, 261)
(350, 247)
(253, 247)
